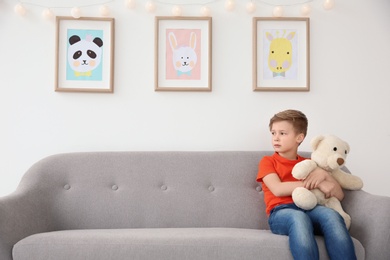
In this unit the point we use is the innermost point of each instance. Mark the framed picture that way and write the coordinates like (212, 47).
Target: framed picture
(183, 54)
(281, 54)
(85, 54)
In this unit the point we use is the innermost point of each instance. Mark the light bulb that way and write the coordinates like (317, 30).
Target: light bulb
(229, 5)
(47, 14)
(130, 4)
(205, 11)
(305, 10)
(150, 6)
(104, 10)
(250, 7)
(20, 9)
(278, 11)
(75, 12)
(328, 4)
(176, 10)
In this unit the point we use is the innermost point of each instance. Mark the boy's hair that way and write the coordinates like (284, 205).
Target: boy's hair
(295, 117)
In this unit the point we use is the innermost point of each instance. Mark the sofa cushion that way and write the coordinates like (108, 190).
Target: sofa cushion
(160, 243)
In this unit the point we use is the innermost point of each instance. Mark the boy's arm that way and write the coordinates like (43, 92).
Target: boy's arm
(278, 188)
(314, 178)
(331, 188)
(321, 179)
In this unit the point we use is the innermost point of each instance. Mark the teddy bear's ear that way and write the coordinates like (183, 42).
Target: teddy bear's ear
(348, 147)
(316, 141)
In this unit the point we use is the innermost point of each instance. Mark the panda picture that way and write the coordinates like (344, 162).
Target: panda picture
(84, 56)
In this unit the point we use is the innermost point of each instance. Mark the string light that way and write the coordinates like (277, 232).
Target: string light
(250, 7)
(328, 4)
(150, 6)
(75, 12)
(278, 11)
(20, 9)
(205, 11)
(176, 10)
(305, 10)
(177, 6)
(229, 5)
(104, 10)
(130, 4)
(47, 14)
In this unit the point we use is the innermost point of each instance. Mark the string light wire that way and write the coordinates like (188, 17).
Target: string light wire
(150, 6)
(292, 3)
(65, 6)
(190, 3)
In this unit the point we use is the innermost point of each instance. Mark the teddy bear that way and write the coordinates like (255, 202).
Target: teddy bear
(329, 153)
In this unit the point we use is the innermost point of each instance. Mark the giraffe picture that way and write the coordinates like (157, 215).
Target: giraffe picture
(281, 54)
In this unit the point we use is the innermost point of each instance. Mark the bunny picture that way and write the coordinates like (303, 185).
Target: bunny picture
(184, 57)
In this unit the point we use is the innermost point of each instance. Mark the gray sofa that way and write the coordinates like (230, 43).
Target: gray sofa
(160, 205)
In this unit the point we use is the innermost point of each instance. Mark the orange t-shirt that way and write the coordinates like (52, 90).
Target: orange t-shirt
(282, 167)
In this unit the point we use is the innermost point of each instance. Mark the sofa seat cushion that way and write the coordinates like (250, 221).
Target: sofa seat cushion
(169, 243)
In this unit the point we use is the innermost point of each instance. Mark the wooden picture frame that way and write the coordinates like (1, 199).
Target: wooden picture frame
(183, 53)
(281, 54)
(84, 54)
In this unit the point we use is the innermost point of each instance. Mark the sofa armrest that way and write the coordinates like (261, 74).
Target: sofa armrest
(20, 216)
(370, 222)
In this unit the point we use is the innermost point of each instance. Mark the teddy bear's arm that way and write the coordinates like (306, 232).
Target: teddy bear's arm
(302, 169)
(347, 181)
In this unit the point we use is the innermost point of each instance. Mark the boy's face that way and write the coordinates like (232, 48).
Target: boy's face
(284, 138)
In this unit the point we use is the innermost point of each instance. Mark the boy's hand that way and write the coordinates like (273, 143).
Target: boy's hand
(322, 180)
(331, 188)
(317, 176)
(328, 188)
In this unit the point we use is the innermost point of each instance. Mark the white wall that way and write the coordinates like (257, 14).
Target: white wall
(349, 94)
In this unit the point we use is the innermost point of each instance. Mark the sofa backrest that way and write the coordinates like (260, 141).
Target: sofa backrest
(148, 190)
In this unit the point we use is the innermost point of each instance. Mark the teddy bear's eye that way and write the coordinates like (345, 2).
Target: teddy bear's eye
(335, 149)
(346, 151)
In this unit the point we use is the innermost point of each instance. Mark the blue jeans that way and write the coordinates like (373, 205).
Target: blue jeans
(301, 226)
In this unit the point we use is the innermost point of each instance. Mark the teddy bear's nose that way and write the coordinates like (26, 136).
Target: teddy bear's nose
(340, 161)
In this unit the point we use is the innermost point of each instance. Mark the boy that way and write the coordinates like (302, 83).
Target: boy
(288, 129)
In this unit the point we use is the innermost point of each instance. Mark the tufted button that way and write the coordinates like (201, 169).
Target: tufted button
(66, 186)
(211, 188)
(258, 188)
(114, 187)
(164, 187)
